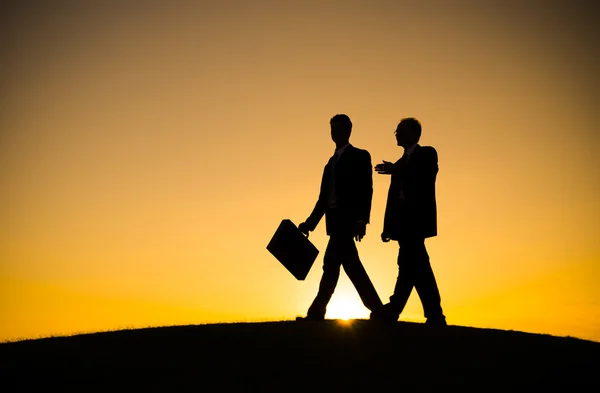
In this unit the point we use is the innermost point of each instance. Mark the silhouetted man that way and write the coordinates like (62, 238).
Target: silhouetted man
(345, 200)
(410, 218)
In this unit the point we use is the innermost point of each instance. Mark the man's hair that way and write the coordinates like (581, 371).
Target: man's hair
(412, 125)
(342, 119)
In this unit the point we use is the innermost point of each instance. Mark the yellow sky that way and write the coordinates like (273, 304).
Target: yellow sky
(148, 153)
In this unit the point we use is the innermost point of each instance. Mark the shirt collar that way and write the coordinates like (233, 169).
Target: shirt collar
(408, 151)
(341, 150)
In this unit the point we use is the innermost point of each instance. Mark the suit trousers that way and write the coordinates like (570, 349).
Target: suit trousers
(414, 270)
(341, 251)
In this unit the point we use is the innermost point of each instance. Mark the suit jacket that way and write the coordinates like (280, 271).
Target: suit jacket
(416, 214)
(354, 191)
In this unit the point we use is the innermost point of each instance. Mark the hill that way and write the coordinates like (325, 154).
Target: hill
(301, 357)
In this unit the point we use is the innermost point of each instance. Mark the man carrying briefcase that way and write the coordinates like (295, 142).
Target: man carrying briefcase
(345, 200)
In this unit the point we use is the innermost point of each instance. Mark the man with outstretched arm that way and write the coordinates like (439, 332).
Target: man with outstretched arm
(410, 218)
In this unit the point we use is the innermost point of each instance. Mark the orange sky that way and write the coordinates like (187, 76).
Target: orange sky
(148, 153)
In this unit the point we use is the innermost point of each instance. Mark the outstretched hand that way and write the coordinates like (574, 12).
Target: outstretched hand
(385, 168)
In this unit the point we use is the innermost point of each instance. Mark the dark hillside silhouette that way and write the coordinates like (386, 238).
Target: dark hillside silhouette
(361, 356)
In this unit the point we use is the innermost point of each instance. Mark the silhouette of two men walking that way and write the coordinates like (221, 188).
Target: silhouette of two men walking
(410, 217)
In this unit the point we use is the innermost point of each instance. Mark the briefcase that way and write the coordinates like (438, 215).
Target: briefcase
(293, 249)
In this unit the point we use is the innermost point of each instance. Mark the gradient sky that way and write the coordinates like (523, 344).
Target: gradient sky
(149, 151)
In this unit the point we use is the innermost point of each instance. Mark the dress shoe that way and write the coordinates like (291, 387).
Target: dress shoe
(437, 321)
(384, 314)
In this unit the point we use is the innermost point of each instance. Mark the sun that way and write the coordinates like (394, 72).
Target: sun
(343, 308)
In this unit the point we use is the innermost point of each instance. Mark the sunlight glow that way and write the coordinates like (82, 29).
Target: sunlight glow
(342, 308)
(345, 322)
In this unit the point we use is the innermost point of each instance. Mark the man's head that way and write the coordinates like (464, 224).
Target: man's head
(341, 128)
(408, 132)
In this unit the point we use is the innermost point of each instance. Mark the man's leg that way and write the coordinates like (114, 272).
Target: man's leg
(331, 274)
(405, 281)
(425, 284)
(358, 275)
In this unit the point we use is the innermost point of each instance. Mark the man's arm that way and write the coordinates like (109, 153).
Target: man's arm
(315, 217)
(423, 186)
(364, 193)
(319, 210)
(364, 177)
(428, 168)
